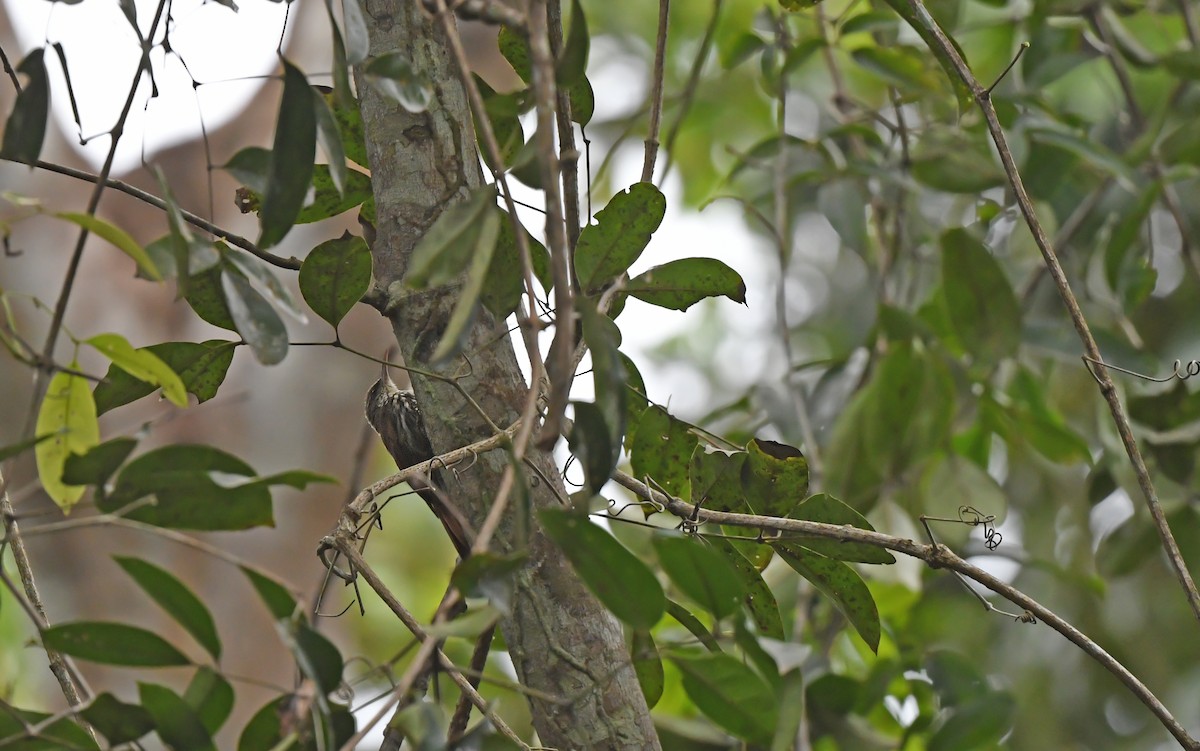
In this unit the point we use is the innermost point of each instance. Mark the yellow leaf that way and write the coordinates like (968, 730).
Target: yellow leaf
(68, 414)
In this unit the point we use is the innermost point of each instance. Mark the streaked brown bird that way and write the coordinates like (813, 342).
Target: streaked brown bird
(395, 415)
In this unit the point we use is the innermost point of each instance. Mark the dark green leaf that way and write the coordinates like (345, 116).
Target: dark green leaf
(900, 66)
(1090, 151)
(349, 121)
(583, 101)
(292, 155)
(275, 596)
(729, 693)
(956, 678)
(184, 480)
(841, 584)
(454, 338)
(60, 734)
(774, 477)
(26, 127)
(394, 76)
(923, 24)
(608, 373)
(293, 478)
(647, 664)
(318, 658)
(1183, 63)
(211, 696)
(977, 724)
(206, 295)
(980, 302)
(489, 575)
(329, 138)
(175, 722)
(252, 168)
(678, 285)
(621, 232)
(829, 510)
(263, 731)
(113, 644)
(757, 597)
(177, 599)
(515, 50)
(254, 318)
(662, 448)
(1117, 263)
(701, 573)
(573, 63)
(693, 625)
(622, 582)
(445, 250)
(591, 443)
(335, 276)
(357, 43)
(506, 276)
(716, 480)
(955, 162)
(328, 201)
(117, 721)
(422, 725)
(201, 366)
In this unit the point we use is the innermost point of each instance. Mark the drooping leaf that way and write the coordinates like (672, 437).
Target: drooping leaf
(292, 155)
(573, 63)
(200, 365)
(678, 285)
(113, 644)
(279, 601)
(184, 481)
(591, 443)
(255, 319)
(583, 101)
(454, 337)
(211, 696)
(716, 480)
(841, 584)
(774, 477)
(317, 657)
(330, 139)
(506, 277)
(117, 721)
(621, 232)
(335, 276)
(647, 664)
(621, 582)
(701, 573)
(1118, 266)
(608, 372)
(757, 597)
(177, 599)
(95, 466)
(175, 722)
(980, 302)
(445, 250)
(68, 415)
(729, 693)
(829, 510)
(252, 168)
(394, 76)
(662, 448)
(791, 711)
(118, 237)
(141, 364)
(25, 130)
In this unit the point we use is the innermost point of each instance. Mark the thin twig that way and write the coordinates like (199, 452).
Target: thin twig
(688, 95)
(656, 91)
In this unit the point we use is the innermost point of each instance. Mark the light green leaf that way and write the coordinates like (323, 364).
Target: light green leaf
(68, 415)
(141, 364)
(981, 305)
(118, 237)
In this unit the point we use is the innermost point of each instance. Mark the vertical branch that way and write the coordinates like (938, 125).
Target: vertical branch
(1107, 388)
(693, 81)
(656, 91)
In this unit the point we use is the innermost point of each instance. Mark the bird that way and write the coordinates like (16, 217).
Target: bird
(396, 416)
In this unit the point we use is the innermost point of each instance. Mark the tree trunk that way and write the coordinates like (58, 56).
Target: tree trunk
(561, 640)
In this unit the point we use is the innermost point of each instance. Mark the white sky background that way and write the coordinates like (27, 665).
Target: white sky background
(102, 53)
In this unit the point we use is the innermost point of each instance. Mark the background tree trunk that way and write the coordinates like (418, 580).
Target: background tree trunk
(561, 640)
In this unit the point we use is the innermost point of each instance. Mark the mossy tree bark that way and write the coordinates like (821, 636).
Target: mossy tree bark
(561, 640)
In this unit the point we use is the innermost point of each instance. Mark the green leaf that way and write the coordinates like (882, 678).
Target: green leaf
(622, 231)
(841, 584)
(678, 285)
(774, 477)
(506, 277)
(515, 50)
(980, 302)
(919, 19)
(357, 41)
(118, 237)
(622, 582)
(662, 448)
(757, 597)
(113, 644)
(445, 250)
(293, 478)
(454, 338)
(328, 201)
(701, 573)
(829, 510)
(900, 66)
(279, 601)
(729, 693)
(1182, 63)
(335, 276)
(25, 130)
(489, 575)
(184, 481)
(955, 162)
(393, 76)
(647, 664)
(716, 480)
(1090, 151)
(206, 295)
(175, 598)
(977, 724)
(254, 318)
(1116, 259)
(956, 678)
(68, 416)
(117, 721)
(59, 734)
(317, 658)
(175, 722)
(791, 711)
(583, 101)
(591, 443)
(573, 63)
(20, 447)
(201, 366)
(252, 168)
(693, 625)
(292, 155)
(263, 731)
(98, 464)
(329, 138)
(141, 364)
(211, 696)
(608, 373)
(349, 121)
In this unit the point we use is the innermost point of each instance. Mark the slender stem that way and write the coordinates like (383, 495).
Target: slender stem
(688, 94)
(656, 91)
